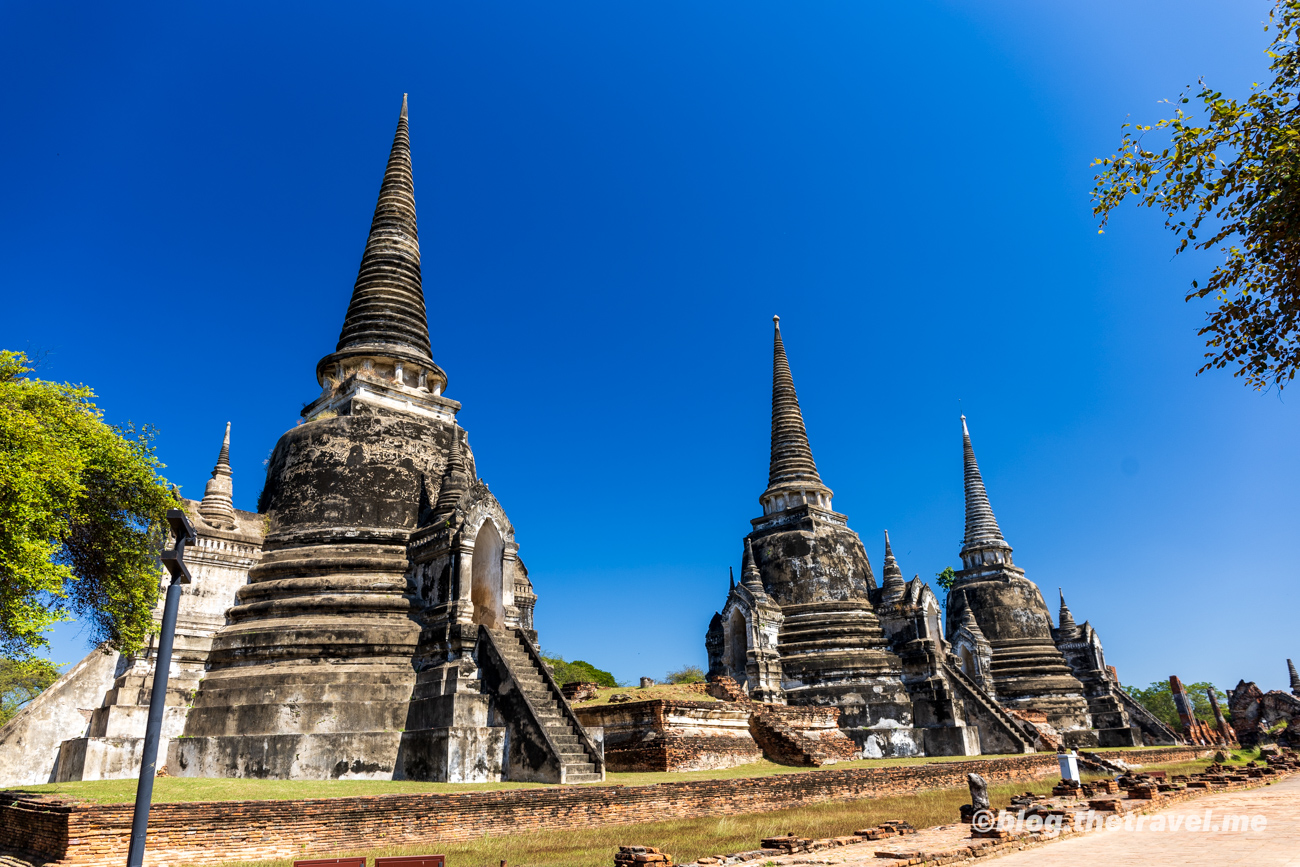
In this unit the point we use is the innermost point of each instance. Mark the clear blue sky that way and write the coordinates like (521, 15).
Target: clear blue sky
(614, 199)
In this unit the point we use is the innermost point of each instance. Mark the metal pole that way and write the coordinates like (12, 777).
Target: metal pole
(153, 731)
(174, 560)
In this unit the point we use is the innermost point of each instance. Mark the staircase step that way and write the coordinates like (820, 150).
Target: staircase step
(581, 778)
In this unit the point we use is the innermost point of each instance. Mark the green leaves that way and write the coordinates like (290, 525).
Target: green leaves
(82, 512)
(21, 680)
(577, 672)
(1159, 699)
(1236, 176)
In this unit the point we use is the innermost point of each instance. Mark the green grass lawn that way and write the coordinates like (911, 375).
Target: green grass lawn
(178, 789)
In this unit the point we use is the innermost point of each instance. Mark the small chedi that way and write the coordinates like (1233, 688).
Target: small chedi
(372, 620)
(808, 625)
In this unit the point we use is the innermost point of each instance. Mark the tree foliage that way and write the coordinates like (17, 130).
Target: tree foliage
(82, 516)
(1159, 699)
(685, 674)
(577, 672)
(21, 680)
(1224, 176)
(946, 578)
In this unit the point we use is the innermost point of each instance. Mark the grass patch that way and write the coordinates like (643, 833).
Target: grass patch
(168, 790)
(666, 691)
(688, 839)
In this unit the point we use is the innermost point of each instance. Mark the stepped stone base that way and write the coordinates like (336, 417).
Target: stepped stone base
(332, 756)
(951, 740)
(889, 742)
(1119, 737)
(453, 754)
(101, 758)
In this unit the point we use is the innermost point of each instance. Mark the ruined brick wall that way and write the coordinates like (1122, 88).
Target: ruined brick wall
(81, 835)
(34, 828)
(673, 735)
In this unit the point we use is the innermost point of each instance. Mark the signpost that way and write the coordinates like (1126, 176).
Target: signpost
(174, 560)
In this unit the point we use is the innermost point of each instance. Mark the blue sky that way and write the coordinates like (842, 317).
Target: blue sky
(614, 199)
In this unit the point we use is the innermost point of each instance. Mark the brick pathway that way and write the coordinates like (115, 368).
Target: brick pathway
(1278, 843)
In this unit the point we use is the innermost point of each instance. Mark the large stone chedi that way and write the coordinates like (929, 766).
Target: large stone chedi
(386, 631)
(994, 601)
(801, 627)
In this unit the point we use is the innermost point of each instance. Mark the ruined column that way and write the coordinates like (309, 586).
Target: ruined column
(1186, 710)
(1221, 722)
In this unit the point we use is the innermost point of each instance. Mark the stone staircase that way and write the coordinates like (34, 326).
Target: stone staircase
(577, 757)
(991, 708)
(787, 745)
(1147, 721)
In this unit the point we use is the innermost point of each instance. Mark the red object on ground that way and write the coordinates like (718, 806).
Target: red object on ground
(412, 861)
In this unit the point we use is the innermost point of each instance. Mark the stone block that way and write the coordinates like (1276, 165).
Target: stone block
(330, 756)
(454, 754)
(951, 741)
(103, 758)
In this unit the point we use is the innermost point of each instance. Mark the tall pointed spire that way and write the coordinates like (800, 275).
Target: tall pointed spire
(893, 585)
(1067, 627)
(386, 316)
(731, 576)
(792, 477)
(982, 531)
(217, 507)
(1295, 678)
(388, 299)
(455, 481)
(749, 574)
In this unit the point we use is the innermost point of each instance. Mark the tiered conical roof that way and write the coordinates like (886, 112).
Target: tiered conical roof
(1068, 628)
(792, 466)
(893, 585)
(455, 481)
(749, 574)
(982, 531)
(1295, 678)
(218, 507)
(387, 315)
(969, 622)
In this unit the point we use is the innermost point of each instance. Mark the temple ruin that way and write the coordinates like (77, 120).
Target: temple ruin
(809, 625)
(373, 620)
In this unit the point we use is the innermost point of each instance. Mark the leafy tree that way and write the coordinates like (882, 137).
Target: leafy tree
(1159, 699)
(82, 516)
(577, 672)
(685, 674)
(21, 680)
(946, 578)
(1224, 175)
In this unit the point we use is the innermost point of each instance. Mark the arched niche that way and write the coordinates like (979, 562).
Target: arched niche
(967, 662)
(736, 647)
(487, 587)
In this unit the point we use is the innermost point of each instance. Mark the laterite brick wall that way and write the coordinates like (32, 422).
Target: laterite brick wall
(209, 832)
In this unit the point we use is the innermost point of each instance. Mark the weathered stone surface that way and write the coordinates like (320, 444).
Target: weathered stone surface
(29, 743)
(382, 619)
(671, 735)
